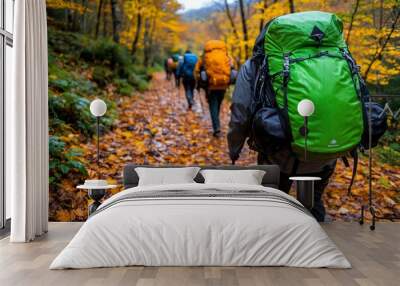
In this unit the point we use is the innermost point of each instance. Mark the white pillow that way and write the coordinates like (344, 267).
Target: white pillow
(166, 176)
(248, 177)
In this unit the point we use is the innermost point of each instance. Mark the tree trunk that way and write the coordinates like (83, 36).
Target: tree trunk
(291, 6)
(384, 41)
(137, 33)
(234, 30)
(146, 38)
(248, 12)
(76, 17)
(116, 19)
(99, 10)
(83, 16)
(70, 20)
(381, 22)
(265, 6)
(105, 21)
(353, 15)
(66, 18)
(244, 27)
(151, 40)
(228, 13)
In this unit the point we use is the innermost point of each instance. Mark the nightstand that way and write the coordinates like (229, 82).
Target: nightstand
(96, 193)
(305, 190)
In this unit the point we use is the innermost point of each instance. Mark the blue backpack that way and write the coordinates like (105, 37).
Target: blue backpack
(189, 63)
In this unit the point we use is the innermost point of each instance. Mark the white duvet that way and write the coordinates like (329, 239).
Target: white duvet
(200, 231)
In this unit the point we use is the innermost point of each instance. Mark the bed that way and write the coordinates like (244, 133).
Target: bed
(197, 224)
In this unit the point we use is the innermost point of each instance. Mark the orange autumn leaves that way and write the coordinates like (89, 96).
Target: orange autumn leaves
(155, 128)
(385, 185)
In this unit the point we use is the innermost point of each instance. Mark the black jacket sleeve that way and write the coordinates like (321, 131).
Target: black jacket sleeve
(241, 109)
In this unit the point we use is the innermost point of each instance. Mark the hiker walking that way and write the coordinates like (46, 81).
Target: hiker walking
(214, 75)
(285, 70)
(173, 63)
(186, 72)
(168, 63)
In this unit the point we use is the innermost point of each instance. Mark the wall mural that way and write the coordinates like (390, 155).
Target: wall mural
(118, 51)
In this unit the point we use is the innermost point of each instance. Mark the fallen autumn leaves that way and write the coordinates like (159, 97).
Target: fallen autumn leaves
(155, 127)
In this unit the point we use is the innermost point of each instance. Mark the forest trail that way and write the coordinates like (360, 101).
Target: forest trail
(155, 127)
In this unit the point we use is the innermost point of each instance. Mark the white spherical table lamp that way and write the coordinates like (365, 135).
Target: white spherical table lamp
(305, 108)
(98, 108)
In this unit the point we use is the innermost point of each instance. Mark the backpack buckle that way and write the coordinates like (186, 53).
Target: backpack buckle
(324, 53)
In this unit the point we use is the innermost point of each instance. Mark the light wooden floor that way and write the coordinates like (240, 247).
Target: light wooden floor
(375, 257)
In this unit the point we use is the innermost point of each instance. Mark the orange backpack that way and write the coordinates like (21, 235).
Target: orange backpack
(217, 65)
(171, 64)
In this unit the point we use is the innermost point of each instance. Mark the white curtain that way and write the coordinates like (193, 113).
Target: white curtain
(28, 157)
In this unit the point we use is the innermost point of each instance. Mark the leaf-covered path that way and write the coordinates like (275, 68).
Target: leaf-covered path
(155, 127)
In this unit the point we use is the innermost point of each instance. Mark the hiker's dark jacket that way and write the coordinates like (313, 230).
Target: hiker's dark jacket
(242, 110)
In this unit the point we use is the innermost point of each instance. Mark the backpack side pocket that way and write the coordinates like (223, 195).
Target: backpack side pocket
(269, 129)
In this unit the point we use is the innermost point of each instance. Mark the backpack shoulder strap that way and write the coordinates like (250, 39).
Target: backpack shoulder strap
(263, 93)
(358, 81)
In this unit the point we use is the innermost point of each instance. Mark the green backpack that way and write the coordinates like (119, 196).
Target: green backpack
(306, 57)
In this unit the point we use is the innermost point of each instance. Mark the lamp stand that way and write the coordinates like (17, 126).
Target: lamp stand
(303, 131)
(98, 146)
(305, 136)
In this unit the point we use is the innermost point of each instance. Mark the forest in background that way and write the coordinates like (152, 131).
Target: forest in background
(112, 48)
(370, 29)
(152, 29)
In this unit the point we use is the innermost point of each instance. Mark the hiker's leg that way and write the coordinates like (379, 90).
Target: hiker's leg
(219, 97)
(188, 92)
(318, 211)
(284, 183)
(176, 79)
(213, 106)
(189, 96)
(192, 85)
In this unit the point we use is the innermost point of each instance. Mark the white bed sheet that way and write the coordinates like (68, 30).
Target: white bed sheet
(200, 232)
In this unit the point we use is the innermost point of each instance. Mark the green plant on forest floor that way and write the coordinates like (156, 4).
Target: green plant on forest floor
(61, 162)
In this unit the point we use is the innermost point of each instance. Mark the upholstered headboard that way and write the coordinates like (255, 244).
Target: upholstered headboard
(271, 177)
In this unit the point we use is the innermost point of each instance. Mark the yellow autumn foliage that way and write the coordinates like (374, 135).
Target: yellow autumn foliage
(371, 26)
